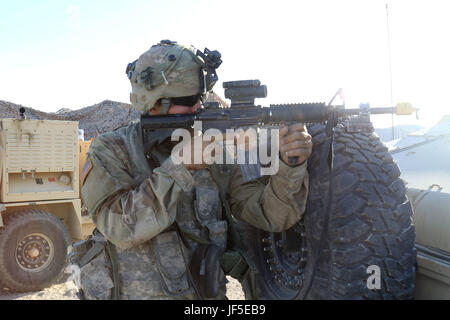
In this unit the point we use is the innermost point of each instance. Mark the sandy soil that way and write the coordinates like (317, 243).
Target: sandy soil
(67, 291)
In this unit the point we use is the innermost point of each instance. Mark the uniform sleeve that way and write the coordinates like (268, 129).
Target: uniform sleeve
(129, 217)
(273, 204)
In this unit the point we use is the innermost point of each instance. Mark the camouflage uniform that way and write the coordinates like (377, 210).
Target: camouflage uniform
(131, 205)
(155, 214)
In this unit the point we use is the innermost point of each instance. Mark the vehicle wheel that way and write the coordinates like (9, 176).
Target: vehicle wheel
(330, 254)
(33, 251)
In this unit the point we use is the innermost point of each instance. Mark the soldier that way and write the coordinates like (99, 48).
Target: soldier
(161, 228)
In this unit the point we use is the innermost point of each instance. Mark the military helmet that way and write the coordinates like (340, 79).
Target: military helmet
(169, 70)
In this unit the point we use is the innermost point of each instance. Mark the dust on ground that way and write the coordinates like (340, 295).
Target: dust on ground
(67, 291)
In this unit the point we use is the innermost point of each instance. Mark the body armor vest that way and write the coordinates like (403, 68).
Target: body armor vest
(175, 262)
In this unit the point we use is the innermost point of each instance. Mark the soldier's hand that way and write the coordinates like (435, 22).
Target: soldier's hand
(295, 142)
(199, 155)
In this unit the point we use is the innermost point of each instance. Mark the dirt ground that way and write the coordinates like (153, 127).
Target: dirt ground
(67, 291)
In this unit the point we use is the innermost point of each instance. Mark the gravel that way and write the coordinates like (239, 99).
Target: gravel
(67, 291)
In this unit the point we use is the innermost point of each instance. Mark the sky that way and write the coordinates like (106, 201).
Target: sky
(73, 54)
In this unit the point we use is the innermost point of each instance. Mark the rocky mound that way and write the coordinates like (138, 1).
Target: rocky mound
(94, 120)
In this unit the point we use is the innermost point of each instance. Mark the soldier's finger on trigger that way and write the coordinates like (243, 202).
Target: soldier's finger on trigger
(297, 127)
(296, 144)
(283, 131)
(297, 153)
(297, 135)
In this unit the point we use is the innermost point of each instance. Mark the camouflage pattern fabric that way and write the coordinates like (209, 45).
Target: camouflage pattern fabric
(133, 206)
(165, 70)
(95, 279)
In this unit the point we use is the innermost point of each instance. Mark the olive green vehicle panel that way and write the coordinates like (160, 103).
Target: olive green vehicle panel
(432, 221)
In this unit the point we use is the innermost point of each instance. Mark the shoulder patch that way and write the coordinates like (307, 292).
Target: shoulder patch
(86, 169)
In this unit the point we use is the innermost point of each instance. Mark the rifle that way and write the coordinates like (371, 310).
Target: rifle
(244, 113)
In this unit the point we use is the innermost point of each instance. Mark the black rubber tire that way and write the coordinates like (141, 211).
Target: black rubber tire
(369, 223)
(26, 226)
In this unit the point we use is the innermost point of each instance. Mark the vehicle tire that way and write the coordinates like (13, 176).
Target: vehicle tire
(33, 251)
(330, 254)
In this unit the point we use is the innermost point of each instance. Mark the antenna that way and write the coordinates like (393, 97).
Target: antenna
(390, 67)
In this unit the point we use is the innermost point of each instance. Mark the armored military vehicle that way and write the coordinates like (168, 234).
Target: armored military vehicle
(40, 208)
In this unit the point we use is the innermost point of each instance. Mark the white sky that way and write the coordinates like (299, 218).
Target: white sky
(73, 54)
